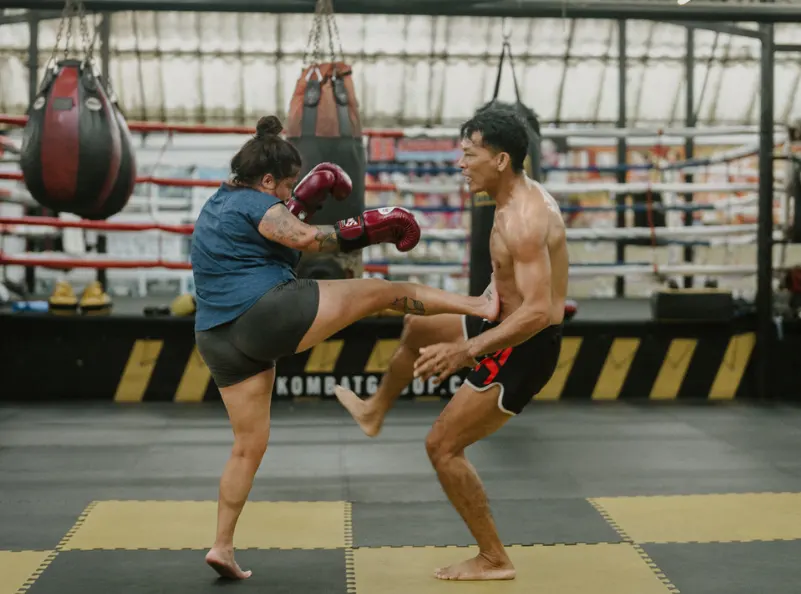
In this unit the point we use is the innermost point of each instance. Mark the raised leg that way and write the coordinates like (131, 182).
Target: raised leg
(418, 332)
(469, 416)
(343, 302)
(248, 406)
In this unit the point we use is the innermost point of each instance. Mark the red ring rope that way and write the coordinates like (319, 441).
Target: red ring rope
(65, 263)
(197, 183)
(97, 225)
(151, 127)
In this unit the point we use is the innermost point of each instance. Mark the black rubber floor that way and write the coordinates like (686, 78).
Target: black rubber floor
(613, 498)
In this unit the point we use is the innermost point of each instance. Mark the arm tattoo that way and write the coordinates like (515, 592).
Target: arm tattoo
(409, 306)
(326, 240)
(279, 225)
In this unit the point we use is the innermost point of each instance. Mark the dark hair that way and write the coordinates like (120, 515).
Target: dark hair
(502, 129)
(265, 153)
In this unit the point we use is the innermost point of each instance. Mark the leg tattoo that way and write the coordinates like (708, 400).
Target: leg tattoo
(409, 306)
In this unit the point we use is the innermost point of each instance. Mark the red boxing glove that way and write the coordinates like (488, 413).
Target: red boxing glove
(313, 189)
(384, 225)
(343, 185)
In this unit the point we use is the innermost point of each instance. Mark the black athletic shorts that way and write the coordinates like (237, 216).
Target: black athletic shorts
(521, 371)
(271, 329)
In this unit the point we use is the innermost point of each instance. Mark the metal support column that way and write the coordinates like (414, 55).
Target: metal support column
(764, 298)
(689, 145)
(622, 160)
(105, 60)
(33, 88)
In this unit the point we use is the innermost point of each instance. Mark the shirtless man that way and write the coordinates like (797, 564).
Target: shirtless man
(511, 358)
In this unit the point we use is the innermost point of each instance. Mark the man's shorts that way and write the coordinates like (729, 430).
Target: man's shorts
(271, 329)
(520, 371)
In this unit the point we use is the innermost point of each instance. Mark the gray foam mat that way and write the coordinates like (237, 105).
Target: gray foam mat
(730, 568)
(544, 521)
(184, 572)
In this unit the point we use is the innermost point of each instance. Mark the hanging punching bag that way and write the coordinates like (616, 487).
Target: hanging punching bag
(126, 177)
(71, 148)
(482, 207)
(324, 124)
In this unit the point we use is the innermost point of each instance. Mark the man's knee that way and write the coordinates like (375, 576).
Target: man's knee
(439, 448)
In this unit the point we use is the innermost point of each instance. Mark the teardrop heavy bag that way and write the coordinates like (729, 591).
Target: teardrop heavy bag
(71, 144)
(126, 177)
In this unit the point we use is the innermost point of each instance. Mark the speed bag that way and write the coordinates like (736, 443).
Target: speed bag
(324, 103)
(71, 148)
(126, 177)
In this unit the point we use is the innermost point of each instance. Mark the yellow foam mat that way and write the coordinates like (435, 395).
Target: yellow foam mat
(17, 567)
(176, 525)
(707, 518)
(579, 569)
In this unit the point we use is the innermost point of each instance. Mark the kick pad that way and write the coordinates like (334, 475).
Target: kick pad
(577, 569)
(191, 525)
(542, 521)
(707, 518)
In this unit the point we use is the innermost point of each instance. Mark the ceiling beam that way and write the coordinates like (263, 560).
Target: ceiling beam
(698, 10)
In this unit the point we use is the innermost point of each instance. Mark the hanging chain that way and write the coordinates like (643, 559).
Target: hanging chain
(324, 11)
(334, 38)
(72, 8)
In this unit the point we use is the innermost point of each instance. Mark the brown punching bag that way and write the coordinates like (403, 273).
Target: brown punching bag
(325, 126)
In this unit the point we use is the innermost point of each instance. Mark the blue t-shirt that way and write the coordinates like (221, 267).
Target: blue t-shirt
(232, 263)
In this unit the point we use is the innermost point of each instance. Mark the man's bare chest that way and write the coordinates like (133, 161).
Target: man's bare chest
(499, 252)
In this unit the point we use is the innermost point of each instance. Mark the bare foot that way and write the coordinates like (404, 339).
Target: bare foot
(477, 569)
(369, 422)
(491, 307)
(222, 562)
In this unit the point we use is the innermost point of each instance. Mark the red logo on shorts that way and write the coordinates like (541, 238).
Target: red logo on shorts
(493, 363)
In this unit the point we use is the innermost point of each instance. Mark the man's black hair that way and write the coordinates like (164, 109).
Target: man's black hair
(502, 129)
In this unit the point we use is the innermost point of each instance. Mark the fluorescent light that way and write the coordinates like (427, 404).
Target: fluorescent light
(682, 2)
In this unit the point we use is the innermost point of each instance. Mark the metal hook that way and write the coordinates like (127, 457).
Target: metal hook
(507, 30)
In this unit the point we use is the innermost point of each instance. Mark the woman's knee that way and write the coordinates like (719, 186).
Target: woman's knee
(251, 445)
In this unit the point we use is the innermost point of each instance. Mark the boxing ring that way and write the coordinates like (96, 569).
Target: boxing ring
(616, 348)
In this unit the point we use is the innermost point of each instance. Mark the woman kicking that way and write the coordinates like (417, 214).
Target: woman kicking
(253, 310)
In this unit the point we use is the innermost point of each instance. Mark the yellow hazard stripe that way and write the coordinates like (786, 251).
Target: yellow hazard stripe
(194, 381)
(141, 363)
(323, 357)
(567, 358)
(732, 368)
(616, 368)
(674, 369)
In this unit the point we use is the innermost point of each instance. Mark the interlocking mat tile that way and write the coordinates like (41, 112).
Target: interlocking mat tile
(543, 521)
(17, 567)
(191, 525)
(731, 567)
(37, 521)
(184, 572)
(560, 569)
(707, 518)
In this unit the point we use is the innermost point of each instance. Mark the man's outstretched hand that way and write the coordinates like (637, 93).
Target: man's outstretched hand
(442, 360)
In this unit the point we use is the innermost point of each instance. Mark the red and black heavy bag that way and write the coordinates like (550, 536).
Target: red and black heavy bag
(324, 125)
(126, 177)
(71, 150)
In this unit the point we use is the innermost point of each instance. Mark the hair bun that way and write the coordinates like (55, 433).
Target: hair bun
(268, 126)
